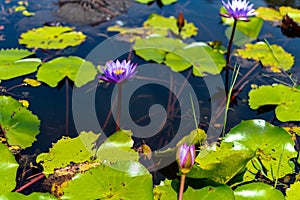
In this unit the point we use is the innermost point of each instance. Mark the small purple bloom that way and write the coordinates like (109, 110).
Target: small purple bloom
(118, 72)
(186, 157)
(238, 9)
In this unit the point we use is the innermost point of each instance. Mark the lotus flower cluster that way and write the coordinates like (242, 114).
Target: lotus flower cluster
(118, 72)
(186, 157)
(239, 9)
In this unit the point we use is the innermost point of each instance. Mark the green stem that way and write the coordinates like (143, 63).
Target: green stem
(119, 106)
(181, 186)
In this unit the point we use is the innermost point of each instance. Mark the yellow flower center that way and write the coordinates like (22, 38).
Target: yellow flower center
(119, 71)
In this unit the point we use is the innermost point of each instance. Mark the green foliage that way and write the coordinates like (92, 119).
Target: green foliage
(32, 196)
(273, 146)
(14, 63)
(209, 193)
(76, 69)
(165, 2)
(118, 147)
(274, 15)
(51, 37)
(17, 123)
(120, 180)
(180, 56)
(197, 137)
(8, 170)
(286, 98)
(67, 150)
(164, 191)
(292, 193)
(273, 56)
(259, 191)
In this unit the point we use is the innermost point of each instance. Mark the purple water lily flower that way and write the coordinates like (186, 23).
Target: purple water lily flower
(186, 157)
(118, 72)
(239, 9)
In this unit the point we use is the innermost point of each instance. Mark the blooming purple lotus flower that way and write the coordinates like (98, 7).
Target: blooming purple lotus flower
(238, 9)
(186, 157)
(118, 72)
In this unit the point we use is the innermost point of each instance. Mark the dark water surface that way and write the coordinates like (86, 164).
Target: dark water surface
(49, 103)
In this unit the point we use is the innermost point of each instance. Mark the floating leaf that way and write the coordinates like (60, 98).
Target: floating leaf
(164, 191)
(268, 14)
(67, 150)
(292, 193)
(273, 145)
(24, 103)
(117, 147)
(32, 82)
(273, 56)
(163, 25)
(13, 63)
(165, 2)
(76, 69)
(27, 13)
(32, 196)
(121, 180)
(286, 98)
(18, 124)
(51, 37)
(197, 137)
(8, 170)
(209, 193)
(259, 191)
(291, 12)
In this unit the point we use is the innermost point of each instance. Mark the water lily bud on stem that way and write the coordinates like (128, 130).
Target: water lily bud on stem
(180, 22)
(186, 157)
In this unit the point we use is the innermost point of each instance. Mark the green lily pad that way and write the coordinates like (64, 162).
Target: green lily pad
(292, 193)
(163, 24)
(210, 192)
(130, 181)
(164, 191)
(220, 164)
(76, 69)
(273, 145)
(19, 125)
(268, 14)
(292, 12)
(51, 37)
(14, 63)
(286, 98)
(165, 2)
(32, 196)
(8, 170)
(118, 147)
(67, 150)
(273, 56)
(196, 137)
(259, 191)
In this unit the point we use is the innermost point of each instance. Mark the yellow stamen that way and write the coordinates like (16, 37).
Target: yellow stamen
(119, 71)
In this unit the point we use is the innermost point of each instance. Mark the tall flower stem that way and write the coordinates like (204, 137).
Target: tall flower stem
(228, 54)
(181, 186)
(119, 106)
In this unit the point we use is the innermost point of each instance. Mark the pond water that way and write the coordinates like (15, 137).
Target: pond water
(50, 103)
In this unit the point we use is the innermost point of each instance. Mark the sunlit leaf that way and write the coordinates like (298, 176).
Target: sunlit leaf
(292, 13)
(197, 137)
(32, 82)
(164, 191)
(76, 69)
(8, 170)
(32, 196)
(117, 147)
(14, 63)
(24, 103)
(163, 24)
(209, 193)
(292, 193)
(165, 2)
(273, 56)
(27, 13)
(51, 37)
(121, 180)
(286, 98)
(18, 124)
(268, 14)
(259, 191)
(273, 145)
(67, 150)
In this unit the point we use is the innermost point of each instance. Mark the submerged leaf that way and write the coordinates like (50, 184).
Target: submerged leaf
(76, 69)
(286, 98)
(18, 124)
(51, 37)
(14, 63)
(273, 56)
(8, 170)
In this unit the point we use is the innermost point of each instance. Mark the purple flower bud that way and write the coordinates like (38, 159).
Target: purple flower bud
(186, 157)
(238, 9)
(116, 72)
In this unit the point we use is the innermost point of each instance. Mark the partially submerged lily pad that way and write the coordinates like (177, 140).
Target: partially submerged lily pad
(15, 62)
(286, 99)
(76, 69)
(273, 56)
(51, 37)
(18, 124)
